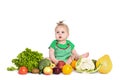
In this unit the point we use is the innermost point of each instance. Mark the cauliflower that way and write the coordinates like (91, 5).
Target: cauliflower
(85, 65)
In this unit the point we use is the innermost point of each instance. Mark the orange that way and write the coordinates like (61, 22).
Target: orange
(73, 64)
(67, 69)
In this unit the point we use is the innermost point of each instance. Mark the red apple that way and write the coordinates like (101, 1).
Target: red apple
(47, 70)
(60, 64)
(56, 70)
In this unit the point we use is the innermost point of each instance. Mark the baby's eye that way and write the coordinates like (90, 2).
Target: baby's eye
(57, 32)
(63, 32)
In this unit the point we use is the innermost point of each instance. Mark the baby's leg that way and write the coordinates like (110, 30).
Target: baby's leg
(85, 55)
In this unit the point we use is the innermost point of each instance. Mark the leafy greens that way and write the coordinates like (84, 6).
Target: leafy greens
(28, 58)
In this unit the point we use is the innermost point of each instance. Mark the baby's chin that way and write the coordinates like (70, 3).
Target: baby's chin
(60, 39)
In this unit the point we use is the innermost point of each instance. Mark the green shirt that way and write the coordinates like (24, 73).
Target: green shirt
(62, 51)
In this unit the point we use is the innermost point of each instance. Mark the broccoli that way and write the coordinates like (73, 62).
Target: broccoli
(43, 63)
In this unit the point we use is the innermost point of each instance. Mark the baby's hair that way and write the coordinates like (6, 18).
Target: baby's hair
(60, 23)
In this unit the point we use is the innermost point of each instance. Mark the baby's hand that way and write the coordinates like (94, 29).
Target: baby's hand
(56, 62)
(69, 61)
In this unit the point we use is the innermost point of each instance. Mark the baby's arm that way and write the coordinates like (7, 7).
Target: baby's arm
(52, 56)
(72, 57)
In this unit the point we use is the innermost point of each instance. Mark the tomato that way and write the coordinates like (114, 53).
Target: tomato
(23, 70)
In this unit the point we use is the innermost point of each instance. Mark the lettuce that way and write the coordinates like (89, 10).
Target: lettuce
(28, 58)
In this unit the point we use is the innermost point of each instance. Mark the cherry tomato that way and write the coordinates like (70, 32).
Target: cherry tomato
(23, 70)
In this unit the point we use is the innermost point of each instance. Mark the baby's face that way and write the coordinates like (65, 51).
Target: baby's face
(61, 33)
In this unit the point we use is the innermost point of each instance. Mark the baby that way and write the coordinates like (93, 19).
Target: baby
(62, 49)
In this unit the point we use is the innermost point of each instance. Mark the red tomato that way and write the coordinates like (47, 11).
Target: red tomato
(23, 70)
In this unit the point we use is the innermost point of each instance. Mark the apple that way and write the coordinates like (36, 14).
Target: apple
(47, 70)
(60, 64)
(56, 70)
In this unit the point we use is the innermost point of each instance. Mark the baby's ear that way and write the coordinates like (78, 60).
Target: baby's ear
(68, 35)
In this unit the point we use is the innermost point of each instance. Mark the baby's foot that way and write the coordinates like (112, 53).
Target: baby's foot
(85, 55)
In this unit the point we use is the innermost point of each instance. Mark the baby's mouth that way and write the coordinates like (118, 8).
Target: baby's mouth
(60, 36)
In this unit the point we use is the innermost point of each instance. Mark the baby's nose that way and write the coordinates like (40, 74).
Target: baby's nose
(60, 33)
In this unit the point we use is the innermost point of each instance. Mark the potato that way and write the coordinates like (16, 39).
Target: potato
(35, 70)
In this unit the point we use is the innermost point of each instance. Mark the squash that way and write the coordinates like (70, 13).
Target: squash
(106, 64)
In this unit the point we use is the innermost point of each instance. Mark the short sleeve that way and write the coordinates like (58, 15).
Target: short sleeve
(71, 44)
(52, 45)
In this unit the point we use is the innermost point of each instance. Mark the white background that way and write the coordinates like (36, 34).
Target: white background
(94, 27)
